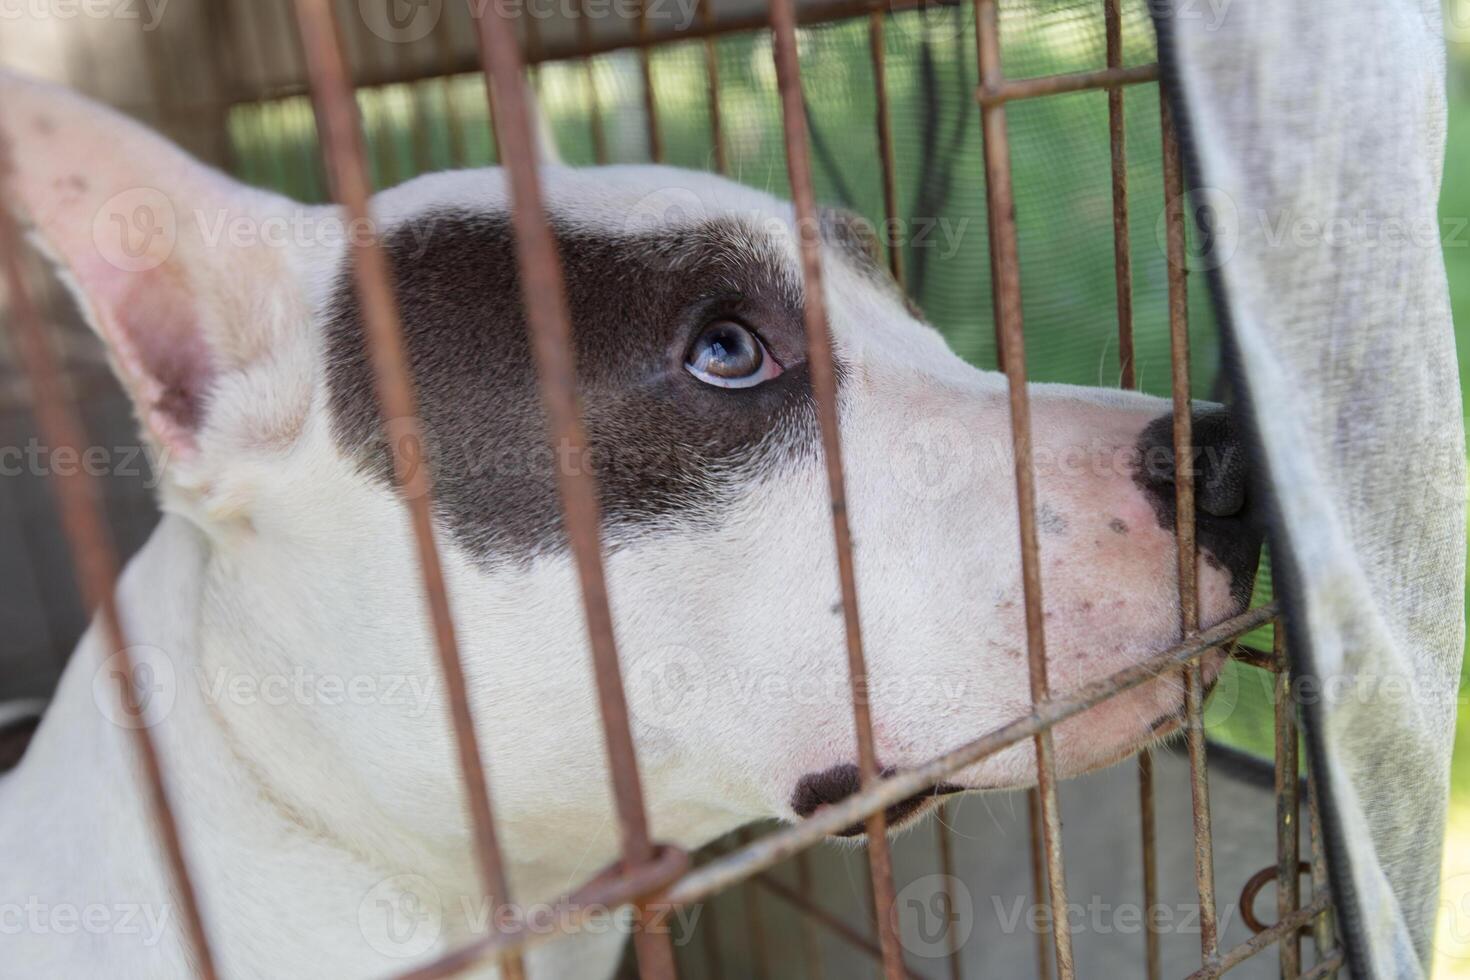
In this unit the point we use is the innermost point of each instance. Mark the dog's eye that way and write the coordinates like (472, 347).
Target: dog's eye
(727, 355)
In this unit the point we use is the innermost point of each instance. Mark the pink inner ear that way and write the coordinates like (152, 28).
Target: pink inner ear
(155, 331)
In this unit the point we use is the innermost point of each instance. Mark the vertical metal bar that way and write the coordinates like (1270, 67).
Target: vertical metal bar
(821, 363)
(755, 929)
(1323, 939)
(1128, 379)
(549, 320)
(1006, 290)
(1122, 256)
(1035, 832)
(879, 51)
(95, 564)
(594, 108)
(342, 146)
(444, 42)
(1150, 869)
(810, 941)
(714, 964)
(712, 75)
(1204, 861)
(946, 868)
(650, 102)
(1288, 892)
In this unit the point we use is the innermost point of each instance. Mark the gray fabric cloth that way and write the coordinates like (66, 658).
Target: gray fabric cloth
(1315, 133)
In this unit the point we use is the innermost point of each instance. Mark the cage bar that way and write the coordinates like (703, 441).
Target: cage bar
(946, 868)
(342, 147)
(822, 366)
(878, 49)
(543, 294)
(589, 76)
(95, 566)
(1288, 877)
(811, 945)
(712, 87)
(1188, 572)
(1006, 295)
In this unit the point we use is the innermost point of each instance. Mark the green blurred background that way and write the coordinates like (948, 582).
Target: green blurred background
(1064, 201)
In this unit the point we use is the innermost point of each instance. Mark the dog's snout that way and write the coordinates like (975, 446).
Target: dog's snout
(1219, 463)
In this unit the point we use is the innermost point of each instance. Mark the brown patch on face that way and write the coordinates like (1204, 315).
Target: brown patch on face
(664, 445)
(1117, 526)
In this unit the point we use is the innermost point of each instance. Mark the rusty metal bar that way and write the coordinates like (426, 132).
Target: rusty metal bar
(342, 146)
(755, 931)
(444, 42)
(666, 883)
(1259, 659)
(1006, 295)
(1128, 379)
(1122, 257)
(946, 868)
(1194, 687)
(822, 366)
(714, 962)
(776, 847)
(612, 889)
(836, 925)
(1264, 939)
(878, 50)
(1148, 835)
(1036, 833)
(810, 943)
(589, 75)
(549, 320)
(1288, 813)
(999, 91)
(1323, 925)
(96, 566)
(712, 84)
(650, 102)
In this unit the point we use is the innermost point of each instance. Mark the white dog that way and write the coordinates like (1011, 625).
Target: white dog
(280, 629)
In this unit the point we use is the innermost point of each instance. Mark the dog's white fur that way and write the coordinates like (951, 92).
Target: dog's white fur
(278, 558)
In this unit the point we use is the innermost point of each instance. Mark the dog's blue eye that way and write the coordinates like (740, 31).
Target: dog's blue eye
(727, 355)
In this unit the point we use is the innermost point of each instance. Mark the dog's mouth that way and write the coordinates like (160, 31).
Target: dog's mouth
(835, 784)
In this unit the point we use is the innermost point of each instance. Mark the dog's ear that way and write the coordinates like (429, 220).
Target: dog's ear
(186, 274)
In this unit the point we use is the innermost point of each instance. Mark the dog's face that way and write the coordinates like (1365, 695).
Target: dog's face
(244, 351)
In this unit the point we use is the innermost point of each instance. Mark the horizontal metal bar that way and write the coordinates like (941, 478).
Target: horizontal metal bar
(1263, 940)
(577, 48)
(776, 847)
(613, 889)
(1082, 81)
(650, 883)
(1257, 658)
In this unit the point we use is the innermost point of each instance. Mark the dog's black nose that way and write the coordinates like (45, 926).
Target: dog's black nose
(1224, 526)
(1219, 464)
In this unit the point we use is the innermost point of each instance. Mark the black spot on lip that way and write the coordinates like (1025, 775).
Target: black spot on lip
(832, 785)
(667, 450)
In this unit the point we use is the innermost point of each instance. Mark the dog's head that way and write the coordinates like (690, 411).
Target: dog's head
(233, 323)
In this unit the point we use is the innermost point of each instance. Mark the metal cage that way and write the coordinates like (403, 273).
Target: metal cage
(652, 876)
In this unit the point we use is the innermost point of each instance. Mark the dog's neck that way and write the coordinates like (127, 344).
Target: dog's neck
(277, 830)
